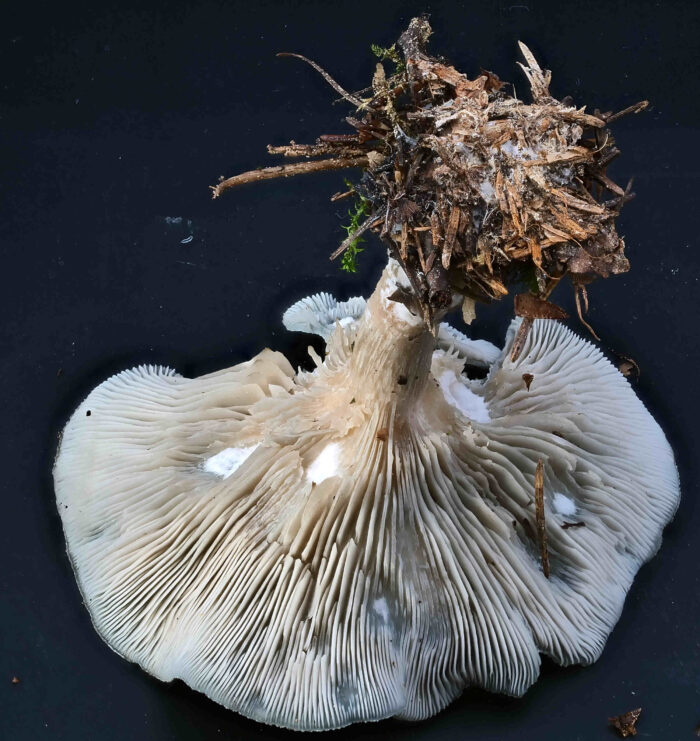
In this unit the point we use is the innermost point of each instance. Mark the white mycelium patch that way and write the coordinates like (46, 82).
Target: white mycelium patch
(227, 461)
(381, 609)
(563, 505)
(326, 465)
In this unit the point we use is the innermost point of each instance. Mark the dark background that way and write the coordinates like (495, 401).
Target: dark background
(113, 122)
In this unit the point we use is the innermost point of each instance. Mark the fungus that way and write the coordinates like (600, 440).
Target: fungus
(252, 533)
(366, 539)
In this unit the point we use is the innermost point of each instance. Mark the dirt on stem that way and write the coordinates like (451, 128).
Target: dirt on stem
(473, 190)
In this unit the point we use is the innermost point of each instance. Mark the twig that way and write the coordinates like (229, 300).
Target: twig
(539, 517)
(369, 222)
(636, 108)
(338, 88)
(340, 196)
(285, 171)
(316, 150)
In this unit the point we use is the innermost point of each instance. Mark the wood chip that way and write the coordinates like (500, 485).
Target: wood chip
(577, 203)
(450, 236)
(468, 310)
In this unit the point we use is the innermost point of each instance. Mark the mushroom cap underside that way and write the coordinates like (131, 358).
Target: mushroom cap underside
(310, 560)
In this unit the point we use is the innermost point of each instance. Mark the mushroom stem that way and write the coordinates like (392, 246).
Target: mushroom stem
(392, 349)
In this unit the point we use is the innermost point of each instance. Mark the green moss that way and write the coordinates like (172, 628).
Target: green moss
(391, 53)
(358, 213)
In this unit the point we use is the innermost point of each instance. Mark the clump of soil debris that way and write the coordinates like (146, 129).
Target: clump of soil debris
(473, 190)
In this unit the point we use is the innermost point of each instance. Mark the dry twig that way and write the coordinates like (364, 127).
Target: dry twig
(286, 171)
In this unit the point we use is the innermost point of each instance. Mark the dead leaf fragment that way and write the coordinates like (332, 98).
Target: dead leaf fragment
(531, 307)
(528, 378)
(625, 724)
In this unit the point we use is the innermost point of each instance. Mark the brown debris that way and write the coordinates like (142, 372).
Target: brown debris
(568, 525)
(625, 724)
(476, 189)
(528, 378)
(629, 366)
(539, 517)
(532, 307)
(519, 339)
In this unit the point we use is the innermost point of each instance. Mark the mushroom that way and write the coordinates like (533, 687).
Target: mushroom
(314, 549)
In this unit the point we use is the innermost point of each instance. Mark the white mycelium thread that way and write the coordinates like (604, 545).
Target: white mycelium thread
(563, 505)
(227, 461)
(326, 465)
(407, 571)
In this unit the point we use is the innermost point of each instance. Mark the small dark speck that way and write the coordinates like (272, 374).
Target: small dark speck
(88, 413)
(402, 380)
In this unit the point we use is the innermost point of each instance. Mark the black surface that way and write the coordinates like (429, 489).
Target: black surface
(114, 118)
